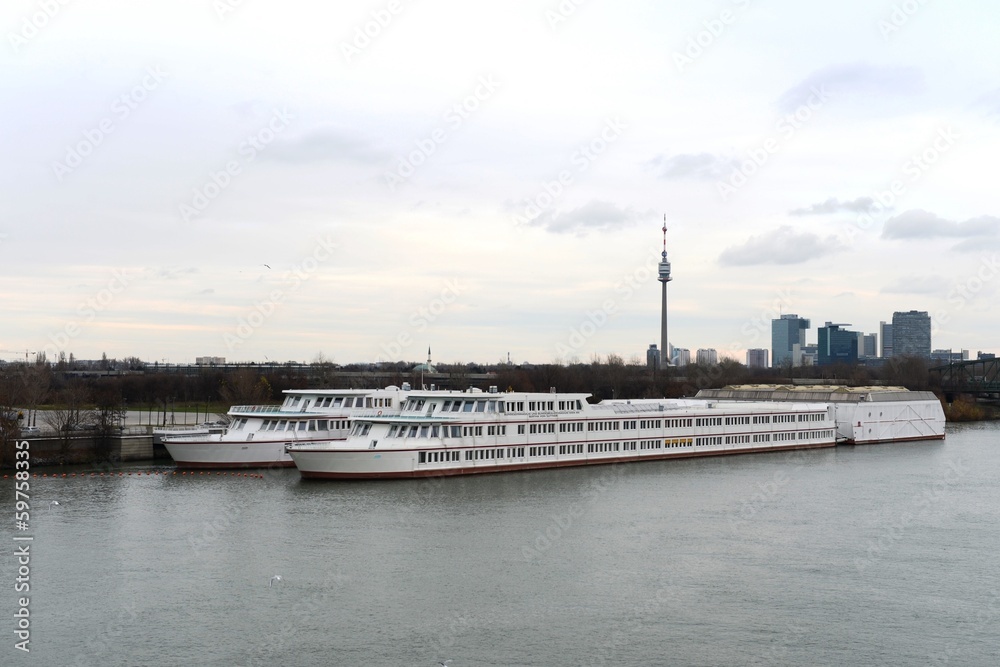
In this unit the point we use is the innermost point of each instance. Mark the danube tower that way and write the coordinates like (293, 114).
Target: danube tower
(664, 278)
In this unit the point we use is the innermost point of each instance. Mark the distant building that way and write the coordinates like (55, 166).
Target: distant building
(652, 358)
(949, 356)
(867, 345)
(209, 361)
(911, 334)
(807, 355)
(885, 333)
(682, 356)
(985, 356)
(787, 332)
(837, 345)
(757, 358)
(707, 357)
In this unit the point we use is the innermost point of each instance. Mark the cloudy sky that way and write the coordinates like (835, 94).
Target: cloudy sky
(254, 179)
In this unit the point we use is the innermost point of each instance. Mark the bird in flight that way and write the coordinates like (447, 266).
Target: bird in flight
(275, 578)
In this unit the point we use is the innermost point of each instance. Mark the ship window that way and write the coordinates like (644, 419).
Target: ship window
(303, 426)
(456, 406)
(392, 430)
(295, 401)
(413, 431)
(480, 406)
(446, 406)
(424, 430)
(467, 406)
(435, 431)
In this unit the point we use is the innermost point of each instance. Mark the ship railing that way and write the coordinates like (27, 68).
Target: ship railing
(267, 409)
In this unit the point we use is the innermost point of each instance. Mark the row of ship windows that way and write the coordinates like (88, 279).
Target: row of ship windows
(295, 424)
(601, 447)
(344, 402)
(485, 405)
(433, 431)
(539, 406)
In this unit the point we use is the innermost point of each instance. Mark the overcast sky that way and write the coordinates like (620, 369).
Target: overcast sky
(258, 179)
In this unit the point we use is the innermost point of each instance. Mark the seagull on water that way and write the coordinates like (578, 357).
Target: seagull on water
(444, 664)
(275, 578)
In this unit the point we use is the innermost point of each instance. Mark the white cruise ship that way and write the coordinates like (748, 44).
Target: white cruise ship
(258, 435)
(457, 433)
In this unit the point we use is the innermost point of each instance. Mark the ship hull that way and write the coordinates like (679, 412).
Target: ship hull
(367, 464)
(219, 455)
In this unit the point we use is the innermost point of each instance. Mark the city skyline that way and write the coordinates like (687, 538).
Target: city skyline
(364, 180)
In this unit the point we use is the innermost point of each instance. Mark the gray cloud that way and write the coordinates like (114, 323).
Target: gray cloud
(689, 165)
(595, 215)
(916, 285)
(834, 205)
(860, 79)
(325, 144)
(920, 224)
(781, 246)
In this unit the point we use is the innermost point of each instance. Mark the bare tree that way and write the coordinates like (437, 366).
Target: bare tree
(245, 387)
(35, 381)
(10, 428)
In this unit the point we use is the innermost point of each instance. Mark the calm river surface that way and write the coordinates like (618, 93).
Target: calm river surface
(874, 555)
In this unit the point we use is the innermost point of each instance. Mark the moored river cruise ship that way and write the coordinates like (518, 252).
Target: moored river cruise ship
(258, 435)
(441, 433)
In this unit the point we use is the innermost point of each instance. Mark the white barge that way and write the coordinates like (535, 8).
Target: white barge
(865, 415)
(258, 435)
(441, 433)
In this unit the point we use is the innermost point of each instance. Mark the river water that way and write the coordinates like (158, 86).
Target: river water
(882, 554)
